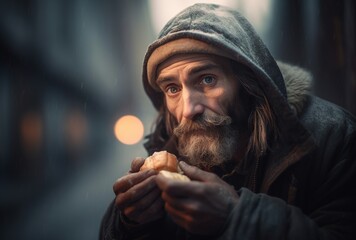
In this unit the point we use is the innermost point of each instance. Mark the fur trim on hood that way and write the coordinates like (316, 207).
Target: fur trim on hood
(298, 84)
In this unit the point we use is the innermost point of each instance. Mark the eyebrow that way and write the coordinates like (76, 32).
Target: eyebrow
(194, 70)
(203, 68)
(161, 80)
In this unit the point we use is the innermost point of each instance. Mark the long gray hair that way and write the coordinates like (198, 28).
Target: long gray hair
(262, 124)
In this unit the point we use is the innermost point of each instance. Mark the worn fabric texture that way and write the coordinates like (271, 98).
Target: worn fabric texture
(305, 188)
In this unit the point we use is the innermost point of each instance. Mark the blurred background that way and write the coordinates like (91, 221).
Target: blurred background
(70, 69)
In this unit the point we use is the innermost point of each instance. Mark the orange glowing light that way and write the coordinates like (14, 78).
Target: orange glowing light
(31, 129)
(129, 129)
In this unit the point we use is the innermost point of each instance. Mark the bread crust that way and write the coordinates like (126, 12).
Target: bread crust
(162, 160)
(166, 163)
(174, 176)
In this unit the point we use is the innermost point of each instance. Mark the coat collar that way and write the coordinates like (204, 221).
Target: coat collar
(296, 142)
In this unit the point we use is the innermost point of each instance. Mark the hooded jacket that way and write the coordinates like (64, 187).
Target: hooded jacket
(306, 183)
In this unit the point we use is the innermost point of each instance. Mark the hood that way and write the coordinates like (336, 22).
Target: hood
(232, 36)
(226, 30)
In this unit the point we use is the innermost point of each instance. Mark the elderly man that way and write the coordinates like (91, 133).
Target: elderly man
(267, 160)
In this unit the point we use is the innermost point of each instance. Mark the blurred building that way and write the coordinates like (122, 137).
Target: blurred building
(70, 69)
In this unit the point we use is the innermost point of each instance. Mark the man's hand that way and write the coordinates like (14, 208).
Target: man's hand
(137, 194)
(200, 206)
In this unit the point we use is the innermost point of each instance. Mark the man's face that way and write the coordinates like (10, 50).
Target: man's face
(196, 83)
(200, 91)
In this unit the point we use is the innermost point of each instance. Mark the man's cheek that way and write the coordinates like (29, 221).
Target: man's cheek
(175, 110)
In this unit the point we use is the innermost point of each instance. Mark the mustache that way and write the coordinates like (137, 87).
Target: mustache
(203, 122)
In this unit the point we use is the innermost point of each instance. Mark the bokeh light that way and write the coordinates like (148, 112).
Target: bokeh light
(129, 129)
(31, 129)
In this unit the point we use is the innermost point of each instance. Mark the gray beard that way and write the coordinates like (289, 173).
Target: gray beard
(210, 147)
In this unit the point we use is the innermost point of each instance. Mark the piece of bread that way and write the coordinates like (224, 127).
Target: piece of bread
(174, 175)
(161, 161)
(165, 162)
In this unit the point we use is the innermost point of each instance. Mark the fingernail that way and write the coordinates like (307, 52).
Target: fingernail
(182, 163)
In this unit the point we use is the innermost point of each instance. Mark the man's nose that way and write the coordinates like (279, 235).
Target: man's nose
(192, 104)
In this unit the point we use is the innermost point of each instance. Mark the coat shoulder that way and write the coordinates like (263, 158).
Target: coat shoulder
(324, 120)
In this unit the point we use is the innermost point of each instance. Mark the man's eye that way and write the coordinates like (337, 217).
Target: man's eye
(172, 90)
(208, 80)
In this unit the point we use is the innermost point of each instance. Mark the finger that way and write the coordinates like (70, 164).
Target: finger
(154, 212)
(136, 192)
(180, 204)
(136, 208)
(126, 182)
(195, 173)
(178, 216)
(165, 183)
(193, 216)
(136, 164)
(180, 189)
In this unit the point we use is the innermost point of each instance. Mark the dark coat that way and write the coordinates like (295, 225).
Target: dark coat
(303, 187)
